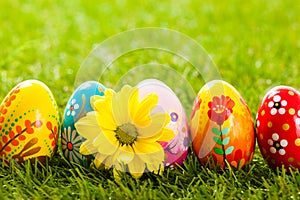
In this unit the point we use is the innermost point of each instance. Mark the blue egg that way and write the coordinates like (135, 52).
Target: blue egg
(77, 107)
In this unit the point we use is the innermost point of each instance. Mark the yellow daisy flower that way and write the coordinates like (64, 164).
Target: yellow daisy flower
(124, 133)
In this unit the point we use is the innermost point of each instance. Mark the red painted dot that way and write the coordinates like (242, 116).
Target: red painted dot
(49, 125)
(51, 136)
(22, 137)
(7, 148)
(4, 111)
(27, 123)
(55, 129)
(53, 143)
(4, 139)
(1, 119)
(70, 146)
(11, 134)
(29, 130)
(18, 129)
(15, 142)
(16, 91)
(7, 103)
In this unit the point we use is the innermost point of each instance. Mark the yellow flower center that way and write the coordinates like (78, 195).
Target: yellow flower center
(126, 134)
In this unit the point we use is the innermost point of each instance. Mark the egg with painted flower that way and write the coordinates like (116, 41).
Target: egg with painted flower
(29, 123)
(175, 150)
(278, 127)
(77, 107)
(221, 127)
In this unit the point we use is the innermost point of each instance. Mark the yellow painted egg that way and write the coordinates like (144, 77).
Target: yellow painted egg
(221, 126)
(29, 123)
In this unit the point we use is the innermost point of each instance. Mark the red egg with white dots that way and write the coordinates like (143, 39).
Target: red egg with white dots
(278, 127)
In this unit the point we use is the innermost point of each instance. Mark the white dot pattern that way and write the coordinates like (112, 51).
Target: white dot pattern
(282, 152)
(284, 143)
(284, 103)
(273, 111)
(277, 98)
(275, 136)
(281, 111)
(273, 150)
(270, 142)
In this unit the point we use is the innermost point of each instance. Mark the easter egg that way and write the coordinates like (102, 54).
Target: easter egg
(278, 127)
(76, 108)
(221, 127)
(175, 150)
(29, 123)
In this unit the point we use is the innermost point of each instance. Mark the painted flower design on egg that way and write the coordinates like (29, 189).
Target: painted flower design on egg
(174, 117)
(71, 142)
(72, 108)
(220, 109)
(23, 123)
(15, 138)
(221, 127)
(180, 141)
(178, 144)
(277, 105)
(277, 145)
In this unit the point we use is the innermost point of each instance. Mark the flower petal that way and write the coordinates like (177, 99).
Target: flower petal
(155, 157)
(153, 131)
(144, 108)
(133, 102)
(104, 114)
(126, 154)
(63, 137)
(120, 107)
(111, 161)
(99, 160)
(146, 148)
(88, 126)
(94, 99)
(87, 148)
(166, 135)
(136, 167)
(156, 168)
(105, 145)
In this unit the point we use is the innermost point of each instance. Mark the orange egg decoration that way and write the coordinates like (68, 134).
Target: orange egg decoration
(29, 123)
(221, 127)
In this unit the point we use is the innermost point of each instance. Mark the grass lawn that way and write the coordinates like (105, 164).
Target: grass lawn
(255, 45)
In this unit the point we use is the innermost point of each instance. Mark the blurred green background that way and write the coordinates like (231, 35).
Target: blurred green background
(255, 44)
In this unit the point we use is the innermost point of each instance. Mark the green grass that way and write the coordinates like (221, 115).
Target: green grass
(255, 45)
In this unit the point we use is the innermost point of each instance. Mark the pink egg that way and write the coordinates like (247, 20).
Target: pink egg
(176, 150)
